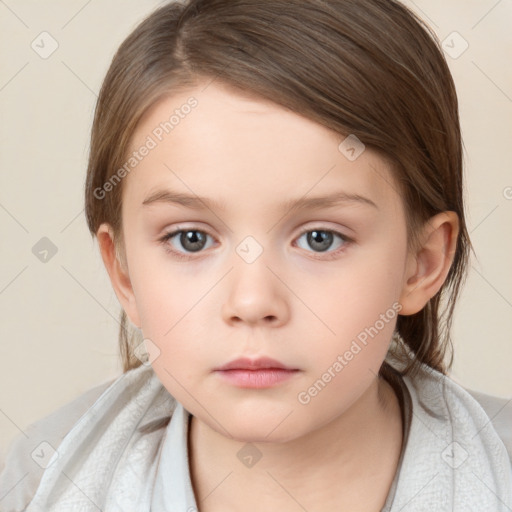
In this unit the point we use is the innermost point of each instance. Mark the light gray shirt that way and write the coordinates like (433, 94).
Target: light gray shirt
(122, 446)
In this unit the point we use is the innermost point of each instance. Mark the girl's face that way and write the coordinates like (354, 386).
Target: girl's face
(250, 232)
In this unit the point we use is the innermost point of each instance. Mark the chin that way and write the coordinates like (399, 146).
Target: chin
(257, 426)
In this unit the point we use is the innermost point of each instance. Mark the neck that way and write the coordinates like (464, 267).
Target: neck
(351, 460)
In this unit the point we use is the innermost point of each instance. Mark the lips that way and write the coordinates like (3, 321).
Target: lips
(245, 363)
(260, 373)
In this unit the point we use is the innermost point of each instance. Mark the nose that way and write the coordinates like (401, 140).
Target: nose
(256, 296)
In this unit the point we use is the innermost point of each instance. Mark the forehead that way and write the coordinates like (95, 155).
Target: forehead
(215, 141)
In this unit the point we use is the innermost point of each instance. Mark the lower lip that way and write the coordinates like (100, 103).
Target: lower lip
(264, 378)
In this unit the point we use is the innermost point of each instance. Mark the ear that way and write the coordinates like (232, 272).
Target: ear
(428, 266)
(118, 273)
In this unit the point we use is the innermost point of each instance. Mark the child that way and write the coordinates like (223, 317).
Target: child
(278, 374)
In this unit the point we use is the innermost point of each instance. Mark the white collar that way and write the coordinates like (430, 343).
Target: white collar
(173, 487)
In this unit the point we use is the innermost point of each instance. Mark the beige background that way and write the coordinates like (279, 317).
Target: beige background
(59, 318)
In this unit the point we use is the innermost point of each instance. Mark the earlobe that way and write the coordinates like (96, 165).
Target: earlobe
(118, 272)
(428, 267)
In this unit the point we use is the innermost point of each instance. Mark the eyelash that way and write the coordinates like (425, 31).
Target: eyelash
(329, 255)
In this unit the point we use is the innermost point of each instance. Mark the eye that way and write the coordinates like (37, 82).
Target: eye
(320, 240)
(190, 240)
(182, 243)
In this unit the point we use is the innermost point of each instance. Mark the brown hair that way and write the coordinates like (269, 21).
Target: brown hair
(365, 67)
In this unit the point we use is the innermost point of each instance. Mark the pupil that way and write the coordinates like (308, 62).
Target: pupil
(192, 240)
(322, 238)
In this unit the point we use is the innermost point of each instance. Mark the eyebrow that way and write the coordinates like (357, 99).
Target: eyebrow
(304, 203)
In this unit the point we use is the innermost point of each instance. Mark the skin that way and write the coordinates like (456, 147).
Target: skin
(294, 303)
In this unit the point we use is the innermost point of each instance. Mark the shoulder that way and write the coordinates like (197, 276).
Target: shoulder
(97, 426)
(29, 452)
(458, 440)
(499, 411)
(441, 395)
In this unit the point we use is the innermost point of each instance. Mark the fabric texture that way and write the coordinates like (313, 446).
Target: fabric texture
(128, 451)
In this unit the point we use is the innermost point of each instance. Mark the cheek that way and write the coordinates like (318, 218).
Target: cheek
(172, 305)
(359, 306)
(163, 290)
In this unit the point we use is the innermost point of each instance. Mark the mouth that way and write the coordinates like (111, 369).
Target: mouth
(255, 373)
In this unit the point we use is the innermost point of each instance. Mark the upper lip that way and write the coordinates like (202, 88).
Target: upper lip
(245, 363)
